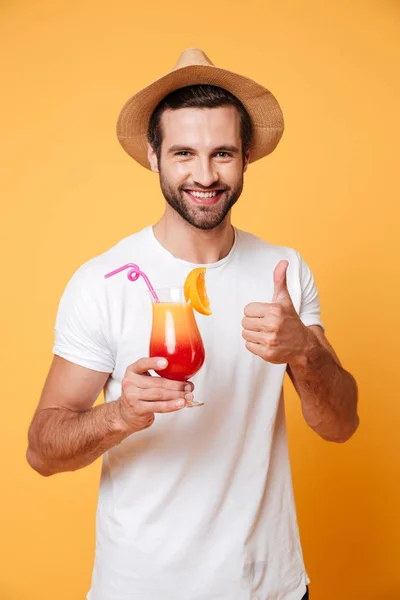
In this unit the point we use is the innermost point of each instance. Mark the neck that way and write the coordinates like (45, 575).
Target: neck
(191, 244)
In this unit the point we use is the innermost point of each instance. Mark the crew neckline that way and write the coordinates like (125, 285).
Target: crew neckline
(186, 263)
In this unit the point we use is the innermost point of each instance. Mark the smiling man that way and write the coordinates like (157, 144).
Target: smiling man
(193, 504)
(205, 202)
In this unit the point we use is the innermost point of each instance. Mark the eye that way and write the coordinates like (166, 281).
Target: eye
(182, 153)
(224, 155)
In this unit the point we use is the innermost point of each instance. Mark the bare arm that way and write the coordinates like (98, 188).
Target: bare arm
(67, 433)
(328, 393)
(275, 332)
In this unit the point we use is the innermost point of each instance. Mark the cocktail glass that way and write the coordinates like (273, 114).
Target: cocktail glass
(176, 336)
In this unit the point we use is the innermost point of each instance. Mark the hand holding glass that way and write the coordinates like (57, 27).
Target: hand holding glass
(175, 335)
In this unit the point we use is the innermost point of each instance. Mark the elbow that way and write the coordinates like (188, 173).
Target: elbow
(344, 434)
(37, 464)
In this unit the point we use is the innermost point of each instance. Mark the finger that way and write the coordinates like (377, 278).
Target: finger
(158, 394)
(268, 325)
(252, 323)
(255, 348)
(143, 382)
(143, 365)
(255, 309)
(273, 315)
(166, 406)
(252, 336)
(281, 291)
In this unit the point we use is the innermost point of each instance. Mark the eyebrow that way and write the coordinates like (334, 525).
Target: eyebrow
(225, 148)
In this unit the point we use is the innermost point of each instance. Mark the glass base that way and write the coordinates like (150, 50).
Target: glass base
(194, 403)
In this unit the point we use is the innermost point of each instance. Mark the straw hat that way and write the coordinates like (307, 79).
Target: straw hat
(193, 68)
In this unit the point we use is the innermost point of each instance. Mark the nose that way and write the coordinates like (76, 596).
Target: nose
(204, 173)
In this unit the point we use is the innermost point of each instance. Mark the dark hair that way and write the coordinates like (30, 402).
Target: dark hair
(198, 96)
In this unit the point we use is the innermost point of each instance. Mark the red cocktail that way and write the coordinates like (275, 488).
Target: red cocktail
(176, 337)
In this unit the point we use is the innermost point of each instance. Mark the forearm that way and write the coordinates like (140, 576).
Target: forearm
(63, 440)
(328, 393)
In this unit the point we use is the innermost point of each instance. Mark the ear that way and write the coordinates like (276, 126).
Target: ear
(152, 156)
(246, 161)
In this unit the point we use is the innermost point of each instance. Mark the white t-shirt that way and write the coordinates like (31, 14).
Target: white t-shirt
(199, 506)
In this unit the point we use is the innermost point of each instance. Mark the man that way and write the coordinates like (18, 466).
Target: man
(194, 504)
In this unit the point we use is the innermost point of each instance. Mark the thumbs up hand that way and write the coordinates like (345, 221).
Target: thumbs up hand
(274, 330)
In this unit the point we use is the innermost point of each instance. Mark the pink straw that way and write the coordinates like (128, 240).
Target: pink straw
(134, 275)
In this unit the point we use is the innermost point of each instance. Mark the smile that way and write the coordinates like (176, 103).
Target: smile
(206, 198)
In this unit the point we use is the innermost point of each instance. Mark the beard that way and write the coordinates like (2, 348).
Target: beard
(202, 217)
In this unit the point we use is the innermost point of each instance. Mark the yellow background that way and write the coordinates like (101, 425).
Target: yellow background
(69, 192)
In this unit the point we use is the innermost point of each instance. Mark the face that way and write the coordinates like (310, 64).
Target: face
(201, 165)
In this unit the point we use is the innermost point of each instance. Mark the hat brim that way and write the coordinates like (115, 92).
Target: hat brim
(262, 106)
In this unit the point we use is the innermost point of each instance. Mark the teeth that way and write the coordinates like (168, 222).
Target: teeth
(204, 195)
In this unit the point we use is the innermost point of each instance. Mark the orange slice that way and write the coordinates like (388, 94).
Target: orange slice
(195, 291)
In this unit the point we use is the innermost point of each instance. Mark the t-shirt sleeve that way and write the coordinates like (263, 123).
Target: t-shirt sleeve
(79, 327)
(310, 310)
